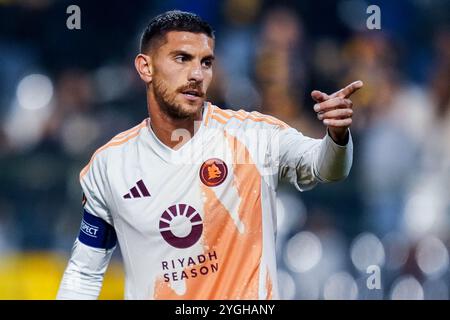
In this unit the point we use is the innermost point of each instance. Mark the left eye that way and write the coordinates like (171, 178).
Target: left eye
(207, 63)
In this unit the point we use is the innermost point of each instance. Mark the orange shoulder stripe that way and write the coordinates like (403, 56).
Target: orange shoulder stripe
(124, 133)
(218, 119)
(253, 116)
(208, 115)
(274, 120)
(113, 142)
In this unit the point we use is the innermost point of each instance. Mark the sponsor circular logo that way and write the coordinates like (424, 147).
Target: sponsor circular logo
(213, 172)
(181, 226)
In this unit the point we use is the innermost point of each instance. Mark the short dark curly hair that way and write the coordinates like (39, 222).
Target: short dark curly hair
(174, 20)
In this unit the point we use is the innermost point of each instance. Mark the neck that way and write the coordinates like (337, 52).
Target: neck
(173, 132)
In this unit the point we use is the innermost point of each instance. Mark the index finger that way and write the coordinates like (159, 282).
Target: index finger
(349, 90)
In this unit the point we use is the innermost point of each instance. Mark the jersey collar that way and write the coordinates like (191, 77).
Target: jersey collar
(188, 151)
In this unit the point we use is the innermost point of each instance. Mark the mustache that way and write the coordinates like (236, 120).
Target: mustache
(192, 86)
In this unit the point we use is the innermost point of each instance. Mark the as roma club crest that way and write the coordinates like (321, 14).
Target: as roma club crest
(213, 172)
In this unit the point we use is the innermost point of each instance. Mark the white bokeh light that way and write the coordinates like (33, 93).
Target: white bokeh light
(303, 252)
(340, 286)
(407, 288)
(34, 91)
(367, 250)
(432, 256)
(425, 211)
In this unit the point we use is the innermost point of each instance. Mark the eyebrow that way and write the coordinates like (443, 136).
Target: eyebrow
(210, 57)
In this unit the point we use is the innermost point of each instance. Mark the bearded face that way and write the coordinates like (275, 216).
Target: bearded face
(174, 103)
(182, 72)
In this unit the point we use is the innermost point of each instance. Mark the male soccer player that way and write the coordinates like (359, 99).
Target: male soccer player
(189, 194)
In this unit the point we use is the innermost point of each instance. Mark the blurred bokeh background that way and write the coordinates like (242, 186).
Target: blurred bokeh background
(63, 93)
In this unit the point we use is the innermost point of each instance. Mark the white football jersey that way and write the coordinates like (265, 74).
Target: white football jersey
(199, 222)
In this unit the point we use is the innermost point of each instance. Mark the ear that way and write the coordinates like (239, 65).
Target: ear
(144, 67)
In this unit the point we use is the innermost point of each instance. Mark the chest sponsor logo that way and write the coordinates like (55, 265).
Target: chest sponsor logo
(213, 172)
(190, 267)
(181, 226)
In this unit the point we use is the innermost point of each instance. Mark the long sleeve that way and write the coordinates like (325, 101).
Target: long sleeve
(305, 161)
(96, 241)
(83, 277)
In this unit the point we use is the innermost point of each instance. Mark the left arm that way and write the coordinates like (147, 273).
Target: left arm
(305, 161)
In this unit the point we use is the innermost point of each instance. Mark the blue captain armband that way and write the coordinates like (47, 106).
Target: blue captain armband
(96, 232)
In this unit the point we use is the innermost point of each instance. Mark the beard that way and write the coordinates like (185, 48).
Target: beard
(169, 105)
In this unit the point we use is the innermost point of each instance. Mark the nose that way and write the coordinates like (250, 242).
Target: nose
(196, 73)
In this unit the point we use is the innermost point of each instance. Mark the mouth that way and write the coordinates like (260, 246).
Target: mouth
(192, 94)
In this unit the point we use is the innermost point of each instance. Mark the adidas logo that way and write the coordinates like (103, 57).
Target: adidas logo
(134, 193)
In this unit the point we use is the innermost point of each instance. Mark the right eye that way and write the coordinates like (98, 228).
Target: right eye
(181, 58)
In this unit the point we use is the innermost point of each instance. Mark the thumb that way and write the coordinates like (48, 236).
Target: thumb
(319, 96)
